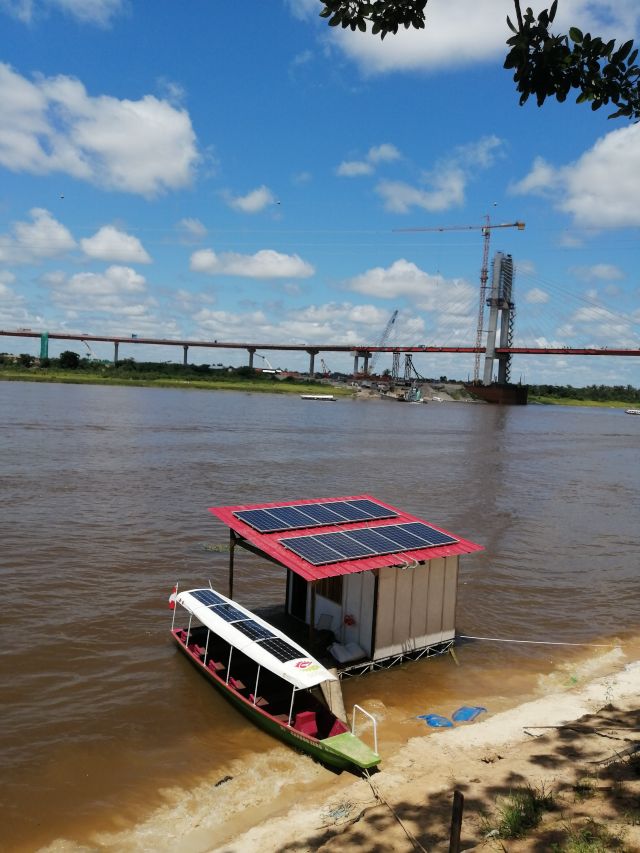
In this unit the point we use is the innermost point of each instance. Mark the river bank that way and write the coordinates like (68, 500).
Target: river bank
(572, 751)
(270, 386)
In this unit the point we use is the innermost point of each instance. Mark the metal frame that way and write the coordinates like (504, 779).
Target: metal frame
(386, 663)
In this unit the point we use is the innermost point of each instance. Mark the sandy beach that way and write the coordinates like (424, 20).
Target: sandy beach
(573, 746)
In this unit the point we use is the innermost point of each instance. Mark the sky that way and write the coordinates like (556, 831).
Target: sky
(243, 172)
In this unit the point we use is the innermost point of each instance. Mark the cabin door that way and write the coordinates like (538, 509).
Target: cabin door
(297, 596)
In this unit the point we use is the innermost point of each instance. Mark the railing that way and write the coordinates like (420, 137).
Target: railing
(373, 720)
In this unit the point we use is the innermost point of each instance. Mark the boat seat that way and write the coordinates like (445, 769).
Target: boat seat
(215, 666)
(260, 701)
(306, 723)
(181, 634)
(196, 650)
(281, 718)
(338, 728)
(236, 683)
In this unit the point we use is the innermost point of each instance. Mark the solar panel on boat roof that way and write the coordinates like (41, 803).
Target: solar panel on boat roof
(296, 517)
(229, 613)
(253, 630)
(280, 649)
(207, 597)
(384, 539)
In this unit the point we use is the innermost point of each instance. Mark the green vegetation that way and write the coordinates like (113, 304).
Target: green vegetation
(593, 837)
(70, 368)
(603, 395)
(521, 811)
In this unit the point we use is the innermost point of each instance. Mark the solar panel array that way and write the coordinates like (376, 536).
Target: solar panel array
(261, 634)
(275, 519)
(376, 541)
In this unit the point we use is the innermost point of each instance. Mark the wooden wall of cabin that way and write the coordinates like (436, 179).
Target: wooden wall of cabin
(416, 607)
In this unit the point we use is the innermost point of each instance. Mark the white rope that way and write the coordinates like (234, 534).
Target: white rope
(536, 642)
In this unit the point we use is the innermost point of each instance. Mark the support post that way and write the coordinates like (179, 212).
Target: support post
(185, 347)
(456, 822)
(251, 351)
(365, 368)
(355, 365)
(232, 546)
(115, 353)
(312, 359)
(312, 616)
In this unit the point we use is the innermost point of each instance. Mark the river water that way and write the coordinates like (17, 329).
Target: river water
(103, 507)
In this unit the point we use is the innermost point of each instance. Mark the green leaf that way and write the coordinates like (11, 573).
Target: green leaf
(510, 25)
(576, 35)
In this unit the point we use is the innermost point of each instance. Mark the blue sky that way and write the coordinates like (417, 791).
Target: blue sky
(237, 172)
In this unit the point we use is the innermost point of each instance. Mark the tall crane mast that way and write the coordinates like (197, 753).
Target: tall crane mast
(486, 230)
(383, 339)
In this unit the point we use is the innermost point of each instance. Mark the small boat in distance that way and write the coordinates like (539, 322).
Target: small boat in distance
(268, 677)
(324, 397)
(632, 411)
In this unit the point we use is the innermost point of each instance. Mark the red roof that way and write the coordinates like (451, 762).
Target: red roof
(269, 544)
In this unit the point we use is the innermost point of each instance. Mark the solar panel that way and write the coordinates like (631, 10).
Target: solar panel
(429, 534)
(291, 517)
(311, 549)
(320, 513)
(384, 539)
(229, 613)
(207, 597)
(374, 540)
(260, 519)
(277, 518)
(253, 630)
(373, 509)
(345, 545)
(280, 649)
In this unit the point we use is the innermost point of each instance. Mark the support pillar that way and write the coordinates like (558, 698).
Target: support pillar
(232, 546)
(185, 347)
(115, 353)
(355, 365)
(365, 368)
(312, 360)
(251, 351)
(44, 345)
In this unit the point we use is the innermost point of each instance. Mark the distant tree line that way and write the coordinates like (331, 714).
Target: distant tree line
(596, 393)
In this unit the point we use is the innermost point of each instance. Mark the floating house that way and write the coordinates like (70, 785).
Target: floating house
(378, 583)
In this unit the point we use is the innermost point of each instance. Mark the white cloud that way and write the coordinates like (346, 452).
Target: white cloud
(33, 242)
(601, 189)
(98, 12)
(378, 154)
(446, 191)
(445, 184)
(536, 296)
(254, 201)
(144, 147)
(112, 245)
(266, 263)
(118, 290)
(459, 33)
(598, 272)
(354, 168)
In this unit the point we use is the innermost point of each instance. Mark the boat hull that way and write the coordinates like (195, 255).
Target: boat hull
(500, 394)
(317, 749)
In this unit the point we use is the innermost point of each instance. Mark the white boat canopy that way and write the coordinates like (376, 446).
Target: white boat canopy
(271, 648)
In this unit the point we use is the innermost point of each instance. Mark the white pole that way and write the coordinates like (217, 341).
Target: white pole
(206, 647)
(186, 642)
(175, 607)
(255, 691)
(229, 663)
(293, 693)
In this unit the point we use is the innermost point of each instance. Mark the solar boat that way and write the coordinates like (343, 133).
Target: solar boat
(267, 676)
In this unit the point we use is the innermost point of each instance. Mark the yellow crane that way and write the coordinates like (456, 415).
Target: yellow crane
(486, 230)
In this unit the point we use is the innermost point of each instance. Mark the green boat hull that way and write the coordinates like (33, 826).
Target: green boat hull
(341, 752)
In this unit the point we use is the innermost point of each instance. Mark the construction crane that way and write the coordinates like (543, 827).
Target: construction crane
(383, 340)
(269, 368)
(325, 368)
(91, 352)
(486, 230)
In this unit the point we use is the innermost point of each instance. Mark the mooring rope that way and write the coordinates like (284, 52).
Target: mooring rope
(536, 642)
(382, 799)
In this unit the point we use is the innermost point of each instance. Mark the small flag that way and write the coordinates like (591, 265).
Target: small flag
(172, 597)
